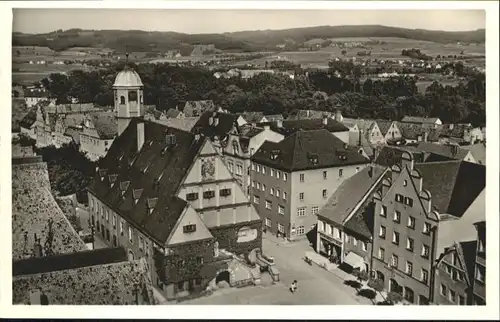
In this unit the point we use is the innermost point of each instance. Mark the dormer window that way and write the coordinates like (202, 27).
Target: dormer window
(146, 168)
(189, 229)
(274, 154)
(151, 203)
(102, 173)
(170, 139)
(136, 194)
(313, 159)
(236, 149)
(112, 179)
(124, 186)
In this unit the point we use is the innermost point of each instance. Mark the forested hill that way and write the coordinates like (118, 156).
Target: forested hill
(137, 40)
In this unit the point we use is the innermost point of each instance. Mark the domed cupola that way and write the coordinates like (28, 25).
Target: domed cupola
(128, 96)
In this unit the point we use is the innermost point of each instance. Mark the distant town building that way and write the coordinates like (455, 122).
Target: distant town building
(99, 132)
(36, 95)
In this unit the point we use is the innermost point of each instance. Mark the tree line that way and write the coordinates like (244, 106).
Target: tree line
(169, 86)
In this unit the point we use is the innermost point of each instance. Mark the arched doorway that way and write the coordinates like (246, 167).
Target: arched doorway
(395, 287)
(130, 255)
(223, 276)
(409, 295)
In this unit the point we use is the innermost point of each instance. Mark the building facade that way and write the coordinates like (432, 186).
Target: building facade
(479, 284)
(293, 179)
(99, 131)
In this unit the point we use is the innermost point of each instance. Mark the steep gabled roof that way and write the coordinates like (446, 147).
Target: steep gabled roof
(478, 152)
(384, 126)
(205, 124)
(454, 185)
(363, 124)
(105, 124)
(412, 131)
(450, 151)
(291, 126)
(305, 150)
(28, 120)
(165, 167)
(419, 120)
(252, 117)
(349, 195)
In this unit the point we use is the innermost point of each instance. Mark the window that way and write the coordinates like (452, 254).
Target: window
(199, 260)
(180, 286)
(269, 204)
(301, 230)
(256, 200)
(272, 172)
(284, 195)
(325, 175)
(409, 244)
(225, 192)
(121, 226)
(324, 193)
(278, 173)
(383, 211)
(425, 251)
(272, 191)
(395, 238)
(381, 253)
(364, 247)
(278, 193)
(285, 176)
(452, 296)
(301, 196)
(409, 202)
(394, 260)
(281, 228)
(321, 226)
(263, 170)
(337, 233)
(253, 166)
(330, 230)
(397, 217)
(405, 183)
(264, 187)
(268, 222)
(381, 232)
(208, 194)
(354, 241)
(230, 166)
(411, 222)
(341, 173)
(281, 210)
(444, 290)
(258, 168)
(399, 198)
(130, 234)
(424, 276)
(239, 169)
(315, 210)
(253, 184)
(409, 268)
(258, 185)
(301, 212)
(141, 243)
(114, 221)
(301, 177)
(189, 229)
(427, 228)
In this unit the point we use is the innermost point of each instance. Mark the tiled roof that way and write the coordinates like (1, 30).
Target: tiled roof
(252, 117)
(199, 107)
(105, 123)
(453, 185)
(308, 114)
(74, 133)
(28, 120)
(467, 250)
(420, 120)
(456, 230)
(186, 123)
(348, 195)
(19, 151)
(478, 151)
(166, 168)
(365, 125)
(72, 119)
(411, 131)
(172, 113)
(384, 126)
(109, 284)
(308, 150)
(450, 151)
(33, 206)
(225, 124)
(249, 131)
(291, 126)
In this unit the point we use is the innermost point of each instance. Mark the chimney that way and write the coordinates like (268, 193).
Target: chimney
(279, 123)
(338, 116)
(451, 126)
(140, 135)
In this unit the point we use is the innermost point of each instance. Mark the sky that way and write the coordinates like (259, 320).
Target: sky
(218, 21)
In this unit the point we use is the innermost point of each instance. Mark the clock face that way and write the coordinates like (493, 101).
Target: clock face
(208, 168)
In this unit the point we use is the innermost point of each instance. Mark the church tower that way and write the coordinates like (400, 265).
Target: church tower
(128, 97)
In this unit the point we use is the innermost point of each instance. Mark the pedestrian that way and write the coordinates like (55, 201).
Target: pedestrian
(293, 287)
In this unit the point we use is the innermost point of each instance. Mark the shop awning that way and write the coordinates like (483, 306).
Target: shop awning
(354, 260)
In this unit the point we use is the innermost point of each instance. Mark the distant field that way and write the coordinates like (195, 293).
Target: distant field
(28, 74)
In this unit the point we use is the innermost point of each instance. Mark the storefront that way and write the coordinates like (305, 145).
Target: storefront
(330, 248)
